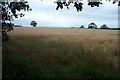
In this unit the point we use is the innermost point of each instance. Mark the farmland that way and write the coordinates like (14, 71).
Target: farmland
(61, 53)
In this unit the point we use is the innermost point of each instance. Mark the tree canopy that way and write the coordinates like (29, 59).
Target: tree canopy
(78, 4)
(82, 26)
(104, 26)
(92, 25)
(33, 23)
(11, 9)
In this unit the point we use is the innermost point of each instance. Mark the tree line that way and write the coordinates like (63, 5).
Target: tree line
(90, 26)
(94, 26)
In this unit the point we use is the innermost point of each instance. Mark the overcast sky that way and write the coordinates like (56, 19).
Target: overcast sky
(45, 14)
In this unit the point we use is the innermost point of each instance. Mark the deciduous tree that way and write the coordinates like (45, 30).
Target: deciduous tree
(82, 26)
(33, 23)
(78, 4)
(104, 26)
(92, 25)
(11, 9)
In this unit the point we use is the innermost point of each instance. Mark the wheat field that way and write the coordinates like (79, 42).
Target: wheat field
(63, 52)
(86, 38)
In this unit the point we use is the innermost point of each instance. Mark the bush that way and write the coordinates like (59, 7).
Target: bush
(104, 26)
(82, 26)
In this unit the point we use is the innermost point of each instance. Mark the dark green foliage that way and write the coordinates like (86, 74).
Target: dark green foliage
(8, 12)
(33, 23)
(82, 26)
(116, 1)
(92, 25)
(6, 27)
(78, 3)
(92, 4)
(114, 28)
(78, 6)
(60, 4)
(104, 26)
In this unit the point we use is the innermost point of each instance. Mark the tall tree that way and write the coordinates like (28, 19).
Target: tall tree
(92, 25)
(11, 9)
(33, 23)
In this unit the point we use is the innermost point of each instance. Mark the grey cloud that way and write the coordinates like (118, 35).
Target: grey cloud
(48, 16)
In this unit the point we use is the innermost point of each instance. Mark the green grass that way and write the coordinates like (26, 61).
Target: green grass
(30, 57)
